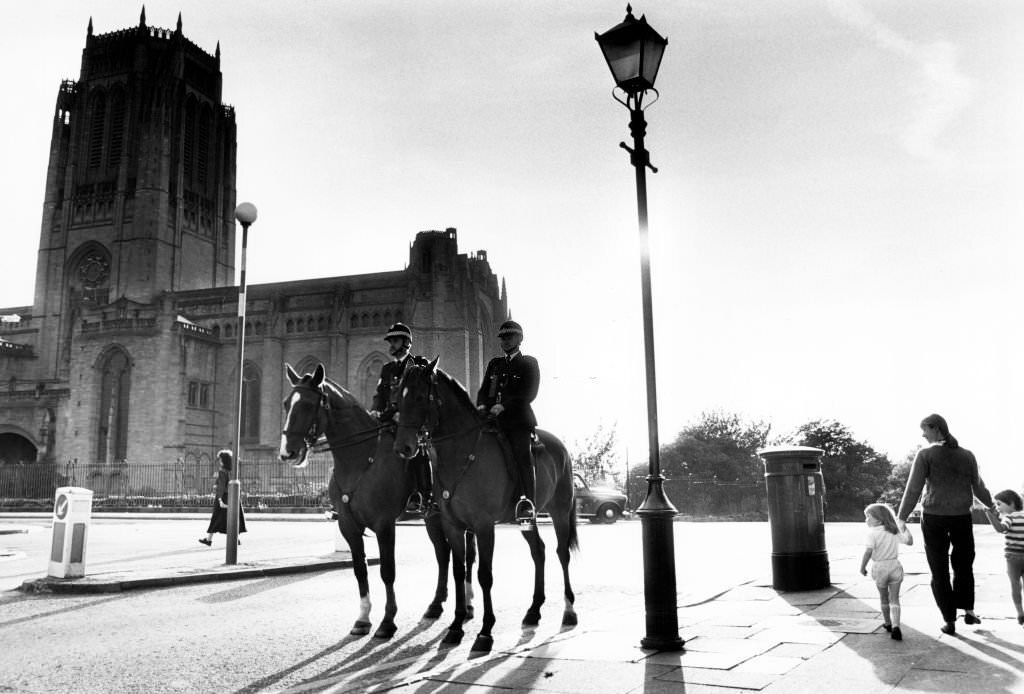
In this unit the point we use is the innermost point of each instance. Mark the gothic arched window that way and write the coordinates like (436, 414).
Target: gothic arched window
(99, 111)
(203, 147)
(250, 403)
(116, 138)
(189, 153)
(369, 374)
(115, 385)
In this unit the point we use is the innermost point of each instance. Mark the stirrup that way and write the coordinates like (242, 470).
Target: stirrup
(526, 512)
(415, 504)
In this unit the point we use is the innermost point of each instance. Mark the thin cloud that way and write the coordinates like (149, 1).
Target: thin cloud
(939, 98)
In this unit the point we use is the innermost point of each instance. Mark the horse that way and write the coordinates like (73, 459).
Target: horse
(369, 486)
(477, 489)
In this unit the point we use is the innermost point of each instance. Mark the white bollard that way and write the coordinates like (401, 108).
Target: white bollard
(72, 513)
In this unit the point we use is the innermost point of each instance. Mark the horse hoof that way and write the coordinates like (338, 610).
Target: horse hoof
(531, 619)
(385, 631)
(569, 619)
(360, 628)
(483, 644)
(452, 638)
(433, 612)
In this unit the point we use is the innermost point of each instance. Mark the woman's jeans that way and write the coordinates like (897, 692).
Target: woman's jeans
(940, 534)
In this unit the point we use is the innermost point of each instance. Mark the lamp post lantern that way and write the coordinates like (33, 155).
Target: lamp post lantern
(633, 51)
(246, 215)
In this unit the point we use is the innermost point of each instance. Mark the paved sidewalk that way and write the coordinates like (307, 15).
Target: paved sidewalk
(740, 637)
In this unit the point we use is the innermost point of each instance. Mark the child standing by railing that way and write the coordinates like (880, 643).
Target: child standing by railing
(883, 548)
(1010, 521)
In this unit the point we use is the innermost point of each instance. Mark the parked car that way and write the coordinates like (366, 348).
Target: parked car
(599, 504)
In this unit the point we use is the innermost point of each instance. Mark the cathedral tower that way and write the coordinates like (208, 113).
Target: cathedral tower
(140, 188)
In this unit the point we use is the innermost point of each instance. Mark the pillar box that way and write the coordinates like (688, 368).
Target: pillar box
(72, 513)
(796, 493)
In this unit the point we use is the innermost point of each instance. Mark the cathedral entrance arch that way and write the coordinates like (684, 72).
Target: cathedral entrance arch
(16, 448)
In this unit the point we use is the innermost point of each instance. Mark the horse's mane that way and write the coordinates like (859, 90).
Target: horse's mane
(336, 390)
(460, 391)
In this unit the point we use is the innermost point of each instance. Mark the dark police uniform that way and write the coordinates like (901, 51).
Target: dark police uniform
(385, 402)
(512, 381)
(385, 399)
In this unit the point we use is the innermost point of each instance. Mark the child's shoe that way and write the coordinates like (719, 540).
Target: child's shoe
(887, 627)
(896, 635)
(971, 619)
(1020, 619)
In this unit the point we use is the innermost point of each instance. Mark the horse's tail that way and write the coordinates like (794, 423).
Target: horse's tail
(574, 538)
(564, 487)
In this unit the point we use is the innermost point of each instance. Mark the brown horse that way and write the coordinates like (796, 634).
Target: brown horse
(477, 488)
(369, 486)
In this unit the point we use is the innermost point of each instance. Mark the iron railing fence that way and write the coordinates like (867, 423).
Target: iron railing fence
(265, 483)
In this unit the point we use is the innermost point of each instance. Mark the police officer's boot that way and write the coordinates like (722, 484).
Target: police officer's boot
(418, 499)
(424, 481)
(331, 513)
(526, 510)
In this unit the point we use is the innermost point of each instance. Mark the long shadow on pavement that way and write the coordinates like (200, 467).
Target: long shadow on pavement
(973, 660)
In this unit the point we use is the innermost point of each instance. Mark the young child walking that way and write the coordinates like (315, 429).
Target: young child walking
(883, 549)
(1010, 521)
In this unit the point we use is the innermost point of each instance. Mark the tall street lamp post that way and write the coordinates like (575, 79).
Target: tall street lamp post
(246, 215)
(633, 51)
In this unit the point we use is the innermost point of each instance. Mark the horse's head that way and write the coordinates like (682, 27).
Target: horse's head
(303, 410)
(416, 405)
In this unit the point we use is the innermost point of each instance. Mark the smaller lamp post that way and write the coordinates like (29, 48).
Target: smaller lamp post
(246, 215)
(633, 51)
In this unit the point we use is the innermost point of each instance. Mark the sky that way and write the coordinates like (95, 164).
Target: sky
(835, 225)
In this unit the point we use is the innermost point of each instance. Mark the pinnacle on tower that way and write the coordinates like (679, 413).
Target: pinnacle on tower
(142, 18)
(89, 30)
(178, 28)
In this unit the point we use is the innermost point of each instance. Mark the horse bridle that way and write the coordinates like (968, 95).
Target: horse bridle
(424, 430)
(312, 434)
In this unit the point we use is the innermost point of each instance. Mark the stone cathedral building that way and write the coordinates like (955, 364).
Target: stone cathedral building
(128, 352)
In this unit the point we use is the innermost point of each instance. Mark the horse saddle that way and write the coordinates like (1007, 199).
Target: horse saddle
(536, 448)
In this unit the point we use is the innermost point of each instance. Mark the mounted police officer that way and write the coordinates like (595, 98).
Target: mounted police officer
(385, 408)
(509, 387)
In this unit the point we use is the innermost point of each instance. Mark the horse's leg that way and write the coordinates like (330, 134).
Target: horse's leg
(457, 541)
(442, 553)
(354, 537)
(470, 560)
(532, 537)
(386, 546)
(565, 532)
(485, 543)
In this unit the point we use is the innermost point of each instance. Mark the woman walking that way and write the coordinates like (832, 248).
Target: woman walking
(947, 474)
(219, 517)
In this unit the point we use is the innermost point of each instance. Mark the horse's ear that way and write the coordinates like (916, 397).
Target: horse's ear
(318, 375)
(293, 377)
(433, 362)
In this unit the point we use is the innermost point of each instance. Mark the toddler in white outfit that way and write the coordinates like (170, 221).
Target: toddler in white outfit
(883, 549)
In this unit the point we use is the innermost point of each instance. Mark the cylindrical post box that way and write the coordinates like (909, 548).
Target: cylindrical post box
(72, 513)
(796, 493)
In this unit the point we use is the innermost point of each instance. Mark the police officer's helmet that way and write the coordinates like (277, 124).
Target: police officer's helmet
(510, 327)
(399, 330)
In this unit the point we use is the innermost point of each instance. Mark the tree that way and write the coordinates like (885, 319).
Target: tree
(892, 493)
(720, 446)
(855, 474)
(714, 466)
(594, 457)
